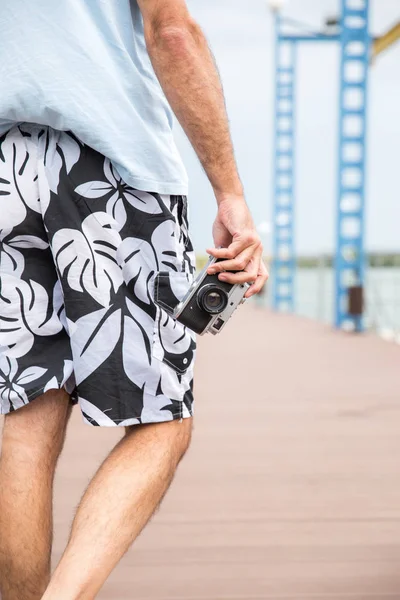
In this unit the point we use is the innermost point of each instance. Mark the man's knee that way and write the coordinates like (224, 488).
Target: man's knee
(171, 436)
(184, 436)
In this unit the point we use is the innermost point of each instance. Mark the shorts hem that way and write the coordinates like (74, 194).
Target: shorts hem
(74, 399)
(123, 422)
(36, 394)
(33, 395)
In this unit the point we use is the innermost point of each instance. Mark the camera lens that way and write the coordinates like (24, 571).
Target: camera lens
(212, 299)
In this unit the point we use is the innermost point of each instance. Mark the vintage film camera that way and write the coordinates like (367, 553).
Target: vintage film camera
(209, 303)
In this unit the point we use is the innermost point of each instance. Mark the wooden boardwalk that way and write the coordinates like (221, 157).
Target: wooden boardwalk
(291, 490)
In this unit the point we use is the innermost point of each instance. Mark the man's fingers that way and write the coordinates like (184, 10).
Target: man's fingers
(218, 252)
(259, 283)
(239, 244)
(250, 272)
(242, 277)
(239, 263)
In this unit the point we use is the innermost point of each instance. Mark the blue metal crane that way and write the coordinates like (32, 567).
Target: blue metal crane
(357, 47)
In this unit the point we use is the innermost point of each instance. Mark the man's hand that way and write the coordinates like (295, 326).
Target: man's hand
(236, 239)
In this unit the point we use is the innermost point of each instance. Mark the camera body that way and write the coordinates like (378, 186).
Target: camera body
(209, 303)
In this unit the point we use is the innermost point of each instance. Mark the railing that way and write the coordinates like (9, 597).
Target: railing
(315, 295)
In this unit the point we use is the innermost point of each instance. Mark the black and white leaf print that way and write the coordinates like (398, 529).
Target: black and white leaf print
(154, 408)
(94, 416)
(58, 304)
(145, 323)
(92, 320)
(121, 195)
(11, 260)
(24, 313)
(94, 189)
(138, 262)
(30, 374)
(164, 243)
(115, 205)
(65, 381)
(116, 209)
(18, 187)
(28, 241)
(143, 201)
(87, 257)
(137, 353)
(61, 150)
(52, 384)
(174, 386)
(175, 338)
(12, 382)
(93, 338)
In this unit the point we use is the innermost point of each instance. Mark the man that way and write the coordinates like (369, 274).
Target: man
(93, 205)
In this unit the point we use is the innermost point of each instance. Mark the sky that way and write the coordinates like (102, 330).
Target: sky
(241, 36)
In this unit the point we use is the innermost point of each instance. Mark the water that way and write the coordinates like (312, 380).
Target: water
(315, 297)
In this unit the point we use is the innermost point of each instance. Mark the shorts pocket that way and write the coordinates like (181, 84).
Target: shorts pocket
(173, 343)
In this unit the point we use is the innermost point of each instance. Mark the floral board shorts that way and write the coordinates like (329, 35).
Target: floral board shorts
(79, 254)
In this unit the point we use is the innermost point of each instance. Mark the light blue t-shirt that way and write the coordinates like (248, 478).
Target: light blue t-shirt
(82, 66)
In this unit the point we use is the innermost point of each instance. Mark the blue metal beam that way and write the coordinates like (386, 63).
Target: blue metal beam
(308, 38)
(355, 43)
(283, 212)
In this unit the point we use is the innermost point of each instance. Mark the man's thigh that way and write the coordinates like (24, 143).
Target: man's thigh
(37, 429)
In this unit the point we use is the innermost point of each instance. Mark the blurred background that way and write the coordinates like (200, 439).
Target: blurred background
(242, 37)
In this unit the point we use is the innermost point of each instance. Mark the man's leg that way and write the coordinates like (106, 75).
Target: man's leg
(117, 505)
(33, 437)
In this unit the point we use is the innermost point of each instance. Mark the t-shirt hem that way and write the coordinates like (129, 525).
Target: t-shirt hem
(150, 185)
(175, 188)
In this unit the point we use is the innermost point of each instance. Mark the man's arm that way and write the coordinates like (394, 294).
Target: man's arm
(187, 73)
